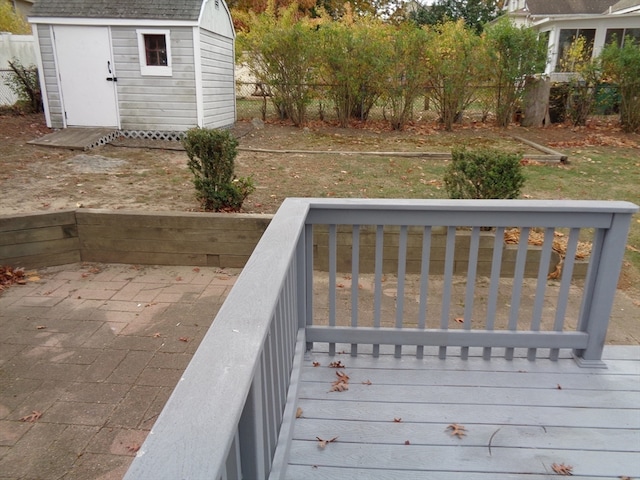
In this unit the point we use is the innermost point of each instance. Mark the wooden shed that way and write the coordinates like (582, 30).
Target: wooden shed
(148, 69)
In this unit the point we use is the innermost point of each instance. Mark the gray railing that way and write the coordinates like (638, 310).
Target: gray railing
(392, 278)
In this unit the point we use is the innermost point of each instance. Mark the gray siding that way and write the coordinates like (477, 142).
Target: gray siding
(218, 87)
(155, 103)
(50, 77)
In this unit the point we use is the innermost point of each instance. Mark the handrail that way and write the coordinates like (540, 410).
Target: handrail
(224, 417)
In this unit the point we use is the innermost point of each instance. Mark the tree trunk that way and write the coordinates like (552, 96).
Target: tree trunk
(536, 102)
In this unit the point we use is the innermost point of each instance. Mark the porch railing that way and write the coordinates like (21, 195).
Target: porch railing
(225, 417)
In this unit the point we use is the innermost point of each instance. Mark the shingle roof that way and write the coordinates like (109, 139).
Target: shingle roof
(568, 7)
(136, 9)
(623, 4)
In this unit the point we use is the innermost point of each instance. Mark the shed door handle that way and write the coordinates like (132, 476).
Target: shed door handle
(112, 78)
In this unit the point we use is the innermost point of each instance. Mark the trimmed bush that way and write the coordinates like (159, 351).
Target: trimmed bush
(483, 174)
(212, 155)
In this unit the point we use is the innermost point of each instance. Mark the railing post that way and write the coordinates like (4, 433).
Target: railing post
(596, 309)
(305, 276)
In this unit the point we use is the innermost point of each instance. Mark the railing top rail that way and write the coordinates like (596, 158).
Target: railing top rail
(194, 433)
(540, 213)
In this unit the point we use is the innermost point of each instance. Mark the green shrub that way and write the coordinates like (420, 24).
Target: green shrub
(212, 155)
(483, 173)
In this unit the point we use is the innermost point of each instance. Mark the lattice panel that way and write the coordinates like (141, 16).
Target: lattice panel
(153, 135)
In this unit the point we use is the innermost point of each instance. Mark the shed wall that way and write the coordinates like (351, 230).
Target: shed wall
(45, 41)
(218, 84)
(154, 102)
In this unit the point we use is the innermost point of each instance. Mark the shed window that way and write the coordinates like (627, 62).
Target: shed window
(154, 48)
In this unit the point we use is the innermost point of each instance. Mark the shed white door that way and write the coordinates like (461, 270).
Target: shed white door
(87, 76)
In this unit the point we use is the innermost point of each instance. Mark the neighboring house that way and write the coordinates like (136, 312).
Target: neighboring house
(561, 22)
(149, 68)
(23, 6)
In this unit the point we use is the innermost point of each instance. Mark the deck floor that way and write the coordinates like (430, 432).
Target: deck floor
(520, 418)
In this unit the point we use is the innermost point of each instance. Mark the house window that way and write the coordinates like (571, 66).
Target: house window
(618, 35)
(154, 49)
(567, 37)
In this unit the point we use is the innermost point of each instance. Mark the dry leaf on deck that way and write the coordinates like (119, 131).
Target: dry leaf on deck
(367, 382)
(336, 364)
(35, 415)
(562, 469)
(457, 430)
(316, 364)
(397, 420)
(407, 442)
(323, 443)
(298, 412)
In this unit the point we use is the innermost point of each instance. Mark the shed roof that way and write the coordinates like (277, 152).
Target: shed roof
(134, 9)
(568, 7)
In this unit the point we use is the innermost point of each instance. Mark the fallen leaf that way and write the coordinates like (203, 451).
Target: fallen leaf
(196, 269)
(41, 327)
(457, 430)
(407, 442)
(298, 412)
(133, 448)
(559, 387)
(35, 415)
(178, 279)
(397, 420)
(156, 335)
(458, 320)
(184, 339)
(367, 382)
(562, 469)
(336, 364)
(316, 364)
(341, 384)
(323, 443)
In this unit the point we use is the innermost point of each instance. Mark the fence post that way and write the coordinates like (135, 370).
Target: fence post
(596, 308)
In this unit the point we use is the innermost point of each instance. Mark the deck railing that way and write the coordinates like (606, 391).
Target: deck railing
(225, 417)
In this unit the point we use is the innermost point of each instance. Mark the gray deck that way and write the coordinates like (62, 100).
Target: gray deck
(521, 417)
(77, 138)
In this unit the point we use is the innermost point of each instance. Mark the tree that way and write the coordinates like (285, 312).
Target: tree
(407, 72)
(451, 53)
(621, 66)
(513, 53)
(475, 13)
(354, 53)
(280, 51)
(11, 21)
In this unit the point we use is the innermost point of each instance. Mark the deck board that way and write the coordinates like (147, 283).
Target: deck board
(520, 416)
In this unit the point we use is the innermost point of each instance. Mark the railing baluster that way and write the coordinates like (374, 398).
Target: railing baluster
(471, 284)
(448, 284)
(333, 242)
(516, 292)
(251, 431)
(565, 286)
(424, 284)
(494, 287)
(543, 273)
(355, 276)
(306, 265)
(402, 267)
(377, 301)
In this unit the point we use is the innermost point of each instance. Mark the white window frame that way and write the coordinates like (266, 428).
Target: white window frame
(154, 70)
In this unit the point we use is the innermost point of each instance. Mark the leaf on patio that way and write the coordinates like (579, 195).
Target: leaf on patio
(336, 364)
(35, 415)
(133, 448)
(298, 412)
(457, 430)
(41, 327)
(316, 364)
(184, 339)
(323, 443)
(156, 335)
(562, 469)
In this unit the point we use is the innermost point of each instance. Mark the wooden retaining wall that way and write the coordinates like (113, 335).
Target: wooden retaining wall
(218, 240)
(203, 239)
